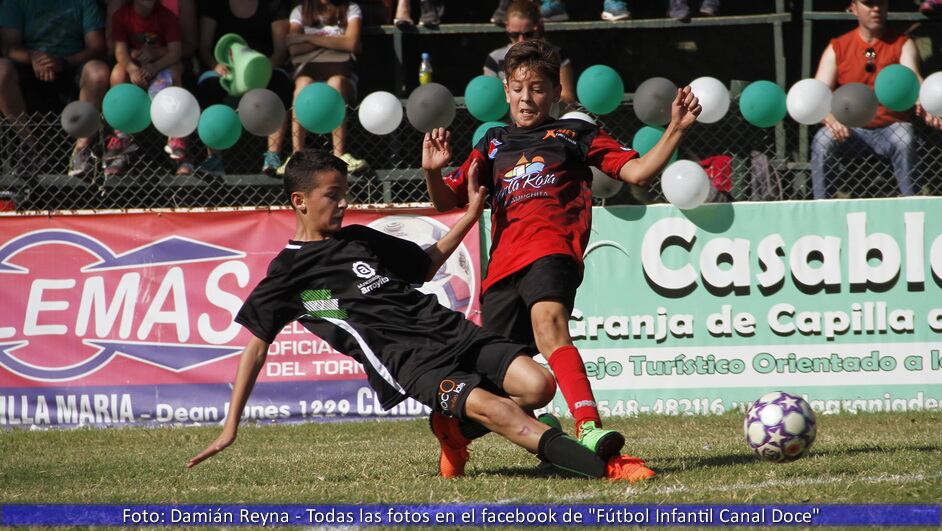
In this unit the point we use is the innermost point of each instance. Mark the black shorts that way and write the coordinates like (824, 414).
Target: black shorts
(49, 95)
(505, 307)
(445, 390)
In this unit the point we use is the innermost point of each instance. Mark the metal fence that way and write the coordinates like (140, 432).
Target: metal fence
(38, 179)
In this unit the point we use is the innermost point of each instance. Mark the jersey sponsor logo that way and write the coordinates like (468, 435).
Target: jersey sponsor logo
(363, 270)
(566, 134)
(454, 283)
(492, 148)
(84, 310)
(320, 303)
(524, 181)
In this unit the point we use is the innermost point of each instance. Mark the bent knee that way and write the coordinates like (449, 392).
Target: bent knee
(538, 390)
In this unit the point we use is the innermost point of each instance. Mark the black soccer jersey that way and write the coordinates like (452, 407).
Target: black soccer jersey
(357, 292)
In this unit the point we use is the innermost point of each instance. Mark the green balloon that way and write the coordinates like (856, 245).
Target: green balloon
(485, 98)
(127, 108)
(897, 87)
(600, 89)
(319, 108)
(482, 130)
(645, 139)
(219, 127)
(762, 104)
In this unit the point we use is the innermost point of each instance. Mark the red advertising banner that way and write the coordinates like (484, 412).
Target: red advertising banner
(128, 318)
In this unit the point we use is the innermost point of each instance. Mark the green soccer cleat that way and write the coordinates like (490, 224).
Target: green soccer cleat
(605, 443)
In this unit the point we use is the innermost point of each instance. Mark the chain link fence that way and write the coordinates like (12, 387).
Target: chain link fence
(766, 164)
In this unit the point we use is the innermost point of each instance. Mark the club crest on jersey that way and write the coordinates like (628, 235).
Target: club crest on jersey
(527, 177)
(492, 148)
(566, 134)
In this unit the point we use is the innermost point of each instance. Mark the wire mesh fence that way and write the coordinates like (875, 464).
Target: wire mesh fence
(773, 163)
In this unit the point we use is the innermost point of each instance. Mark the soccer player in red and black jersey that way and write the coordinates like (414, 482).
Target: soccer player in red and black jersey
(538, 176)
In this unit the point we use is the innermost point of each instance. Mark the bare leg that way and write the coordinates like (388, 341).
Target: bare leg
(298, 133)
(94, 83)
(11, 100)
(339, 135)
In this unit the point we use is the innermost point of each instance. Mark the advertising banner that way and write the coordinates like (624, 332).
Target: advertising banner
(702, 311)
(128, 318)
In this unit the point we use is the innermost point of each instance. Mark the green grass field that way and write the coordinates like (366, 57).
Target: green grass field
(864, 458)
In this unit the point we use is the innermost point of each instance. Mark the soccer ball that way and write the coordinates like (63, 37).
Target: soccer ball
(780, 427)
(453, 284)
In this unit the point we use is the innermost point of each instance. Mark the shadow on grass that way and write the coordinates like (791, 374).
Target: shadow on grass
(693, 463)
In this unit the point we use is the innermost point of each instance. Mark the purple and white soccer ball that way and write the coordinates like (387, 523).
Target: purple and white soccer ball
(454, 283)
(780, 427)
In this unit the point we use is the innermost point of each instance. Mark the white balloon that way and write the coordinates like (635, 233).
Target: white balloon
(604, 186)
(578, 116)
(809, 101)
(713, 96)
(175, 112)
(685, 184)
(930, 94)
(380, 113)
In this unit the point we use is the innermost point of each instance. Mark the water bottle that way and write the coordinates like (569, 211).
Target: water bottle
(425, 70)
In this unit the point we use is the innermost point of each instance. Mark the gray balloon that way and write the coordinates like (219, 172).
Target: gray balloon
(854, 104)
(80, 119)
(430, 106)
(652, 101)
(261, 112)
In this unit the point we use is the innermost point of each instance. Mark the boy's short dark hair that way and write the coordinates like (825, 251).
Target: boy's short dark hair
(302, 169)
(527, 9)
(535, 55)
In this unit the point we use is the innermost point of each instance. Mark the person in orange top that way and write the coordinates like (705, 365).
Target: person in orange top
(857, 57)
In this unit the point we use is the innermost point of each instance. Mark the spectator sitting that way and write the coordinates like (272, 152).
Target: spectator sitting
(524, 23)
(323, 37)
(264, 26)
(148, 52)
(857, 57)
(680, 9)
(612, 10)
(185, 11)
(931, 8)
(53, 49)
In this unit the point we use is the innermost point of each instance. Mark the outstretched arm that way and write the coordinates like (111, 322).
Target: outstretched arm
(684, 112)
(252, 361)
(442, 249)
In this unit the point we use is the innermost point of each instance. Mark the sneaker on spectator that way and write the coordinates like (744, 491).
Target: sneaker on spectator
(431, 14)
(271, 163)
(185, 168)
(354, 165)
(679, 10)
(710, 8)
(615, 10)
(24, 167)
(931, 8)
(82, 162)
(212, 166)
(176, 148)
(281, 169)
(553, 11)
(118, 165)
(499, 17)
(117, 145)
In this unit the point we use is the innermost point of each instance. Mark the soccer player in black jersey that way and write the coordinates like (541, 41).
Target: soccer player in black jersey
(355, 288)
(537, 172)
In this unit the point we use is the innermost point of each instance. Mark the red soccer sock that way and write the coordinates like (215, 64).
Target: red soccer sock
(574, 383)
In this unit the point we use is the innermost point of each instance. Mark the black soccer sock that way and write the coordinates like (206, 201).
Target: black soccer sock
(566, 453)
(472, 430)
